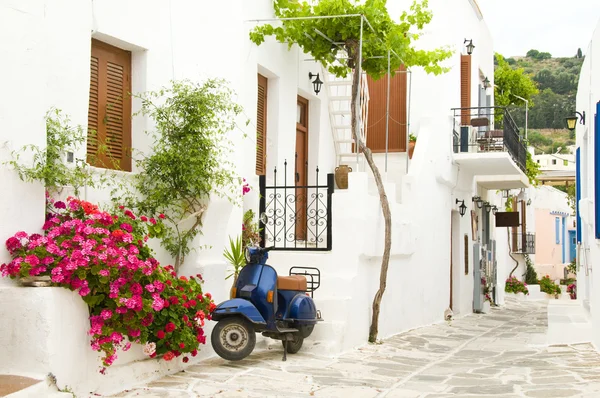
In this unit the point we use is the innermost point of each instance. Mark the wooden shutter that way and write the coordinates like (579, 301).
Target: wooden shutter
(398, 114)
(109, 114)
(465, 88)
(261, 126)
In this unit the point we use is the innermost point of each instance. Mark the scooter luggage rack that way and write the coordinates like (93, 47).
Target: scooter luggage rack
(314, 282)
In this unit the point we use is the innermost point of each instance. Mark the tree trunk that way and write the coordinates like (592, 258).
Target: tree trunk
(385, 206)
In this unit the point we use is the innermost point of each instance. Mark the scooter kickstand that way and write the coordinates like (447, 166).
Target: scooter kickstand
(285, 343)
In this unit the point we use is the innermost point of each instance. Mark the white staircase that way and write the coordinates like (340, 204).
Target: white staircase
(340, 115)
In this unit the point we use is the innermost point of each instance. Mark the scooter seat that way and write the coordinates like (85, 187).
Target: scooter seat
(293, 282)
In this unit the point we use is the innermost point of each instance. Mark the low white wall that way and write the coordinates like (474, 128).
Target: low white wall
(44, 330)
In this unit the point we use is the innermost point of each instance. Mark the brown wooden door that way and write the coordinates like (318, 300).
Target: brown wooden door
(301, 168)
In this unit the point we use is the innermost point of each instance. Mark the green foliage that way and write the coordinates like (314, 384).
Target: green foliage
(508, 204)
(540, 56)
(532, 170)
(412, 138)
(513, 285)
(531, 277)
(572, 267)
(48, 164)
(250, 230)
(189, 158)
(386, 35)
(511, 83)
(548, 286)
(235, 256)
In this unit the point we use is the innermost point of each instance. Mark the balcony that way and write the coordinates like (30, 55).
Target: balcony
(487, 142)
(523, 243)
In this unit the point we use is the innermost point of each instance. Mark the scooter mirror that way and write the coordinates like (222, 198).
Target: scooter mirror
(263, 218)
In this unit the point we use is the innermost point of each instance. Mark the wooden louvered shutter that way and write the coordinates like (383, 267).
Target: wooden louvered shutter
(398, 114)
(109, 114)
(261, 127)
(465, 88)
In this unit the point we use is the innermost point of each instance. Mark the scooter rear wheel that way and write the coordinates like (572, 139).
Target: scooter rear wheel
(233, 339)
(293, 346)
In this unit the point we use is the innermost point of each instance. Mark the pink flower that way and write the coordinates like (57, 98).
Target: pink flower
(168, 356)
(149, 348)
(127, 347)
(60, 205)
(150, 287)
(161, 216)
(104, 272)
(126, 227)
(157, 302)
(116, 337)
(170, 327)
(106, 314)
(153, 221)
(21, 235)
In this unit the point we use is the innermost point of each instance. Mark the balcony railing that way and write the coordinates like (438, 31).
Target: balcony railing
(488, 129)
(523, 243)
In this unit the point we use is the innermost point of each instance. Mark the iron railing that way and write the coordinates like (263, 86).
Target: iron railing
(296, 217)
(488, 129)
(523, 243)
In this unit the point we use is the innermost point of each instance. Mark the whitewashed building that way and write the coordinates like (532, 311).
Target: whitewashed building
(588, 177)
(461, 155)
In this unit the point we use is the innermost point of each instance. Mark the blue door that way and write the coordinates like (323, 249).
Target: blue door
(572, 242)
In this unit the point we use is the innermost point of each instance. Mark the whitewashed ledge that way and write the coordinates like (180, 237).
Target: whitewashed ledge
(536, 294)
(44, 330)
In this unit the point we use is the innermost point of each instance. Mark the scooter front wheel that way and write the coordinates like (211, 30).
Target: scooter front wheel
(233, 339)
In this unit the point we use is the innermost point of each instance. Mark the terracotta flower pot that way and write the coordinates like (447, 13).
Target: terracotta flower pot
(411, 149)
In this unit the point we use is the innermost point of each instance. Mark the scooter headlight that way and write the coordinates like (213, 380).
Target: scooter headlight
(247, 254)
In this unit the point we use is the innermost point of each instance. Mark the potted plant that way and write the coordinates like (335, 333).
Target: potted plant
(235, 256)
(412, 140)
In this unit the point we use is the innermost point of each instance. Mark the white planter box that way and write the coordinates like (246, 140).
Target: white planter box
(486, 307)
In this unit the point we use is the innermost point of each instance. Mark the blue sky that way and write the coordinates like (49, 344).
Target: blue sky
(556, 26)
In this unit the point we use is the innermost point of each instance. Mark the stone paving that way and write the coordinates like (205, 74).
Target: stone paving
(501, 354)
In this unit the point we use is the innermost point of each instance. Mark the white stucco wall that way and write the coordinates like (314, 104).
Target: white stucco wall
(588, 95)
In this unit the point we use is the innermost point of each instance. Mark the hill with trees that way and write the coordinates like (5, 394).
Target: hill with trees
(556, 80)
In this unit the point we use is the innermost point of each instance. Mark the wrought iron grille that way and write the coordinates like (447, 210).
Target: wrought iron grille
(296, 217)
(488, 129)
(523, 243)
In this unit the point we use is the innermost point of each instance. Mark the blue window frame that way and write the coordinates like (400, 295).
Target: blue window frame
(578, 191)
(557, 229)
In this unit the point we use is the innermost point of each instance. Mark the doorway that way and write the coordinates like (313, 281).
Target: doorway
(455, 263)
(301, 168)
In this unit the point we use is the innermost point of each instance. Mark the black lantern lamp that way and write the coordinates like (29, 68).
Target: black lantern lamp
(462, 208)
(486, 83)
(477, 200)
(572, 120)
(494, 209)
(470, 46)
(317, 83)
(488, 206)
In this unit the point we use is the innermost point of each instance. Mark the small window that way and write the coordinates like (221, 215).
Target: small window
(538, 161)
(466, 254)
(553, 161)
(109, 108)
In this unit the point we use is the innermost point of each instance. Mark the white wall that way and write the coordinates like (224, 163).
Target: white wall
(588, 95)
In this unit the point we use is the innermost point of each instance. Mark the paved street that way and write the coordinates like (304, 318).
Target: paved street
(502, 354)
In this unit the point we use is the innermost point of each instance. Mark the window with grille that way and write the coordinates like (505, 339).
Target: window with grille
(109, 112)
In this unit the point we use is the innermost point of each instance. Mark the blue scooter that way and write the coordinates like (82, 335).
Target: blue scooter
(277, 306)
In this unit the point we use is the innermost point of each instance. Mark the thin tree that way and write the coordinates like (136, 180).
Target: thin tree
(329, 39)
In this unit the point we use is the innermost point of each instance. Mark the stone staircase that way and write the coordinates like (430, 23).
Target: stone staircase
(340, 115)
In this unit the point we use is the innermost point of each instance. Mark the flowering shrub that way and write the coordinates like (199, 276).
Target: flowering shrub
(104, 258)
(513, 285)
(548, 286)
(486, 290)
(572, 290)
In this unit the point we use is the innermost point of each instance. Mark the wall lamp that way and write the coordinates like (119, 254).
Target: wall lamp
(488, 206)
(478, 201)
(572, 120)
(462, 208)
(317, 83)
(494, 209)
(486, 83)
(470, 46)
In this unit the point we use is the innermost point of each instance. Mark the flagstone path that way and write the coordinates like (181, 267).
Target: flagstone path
(501, 354)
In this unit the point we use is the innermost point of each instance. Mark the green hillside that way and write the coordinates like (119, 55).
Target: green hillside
(556, 79)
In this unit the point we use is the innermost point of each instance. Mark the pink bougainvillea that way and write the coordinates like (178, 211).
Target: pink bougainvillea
(104, 258)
